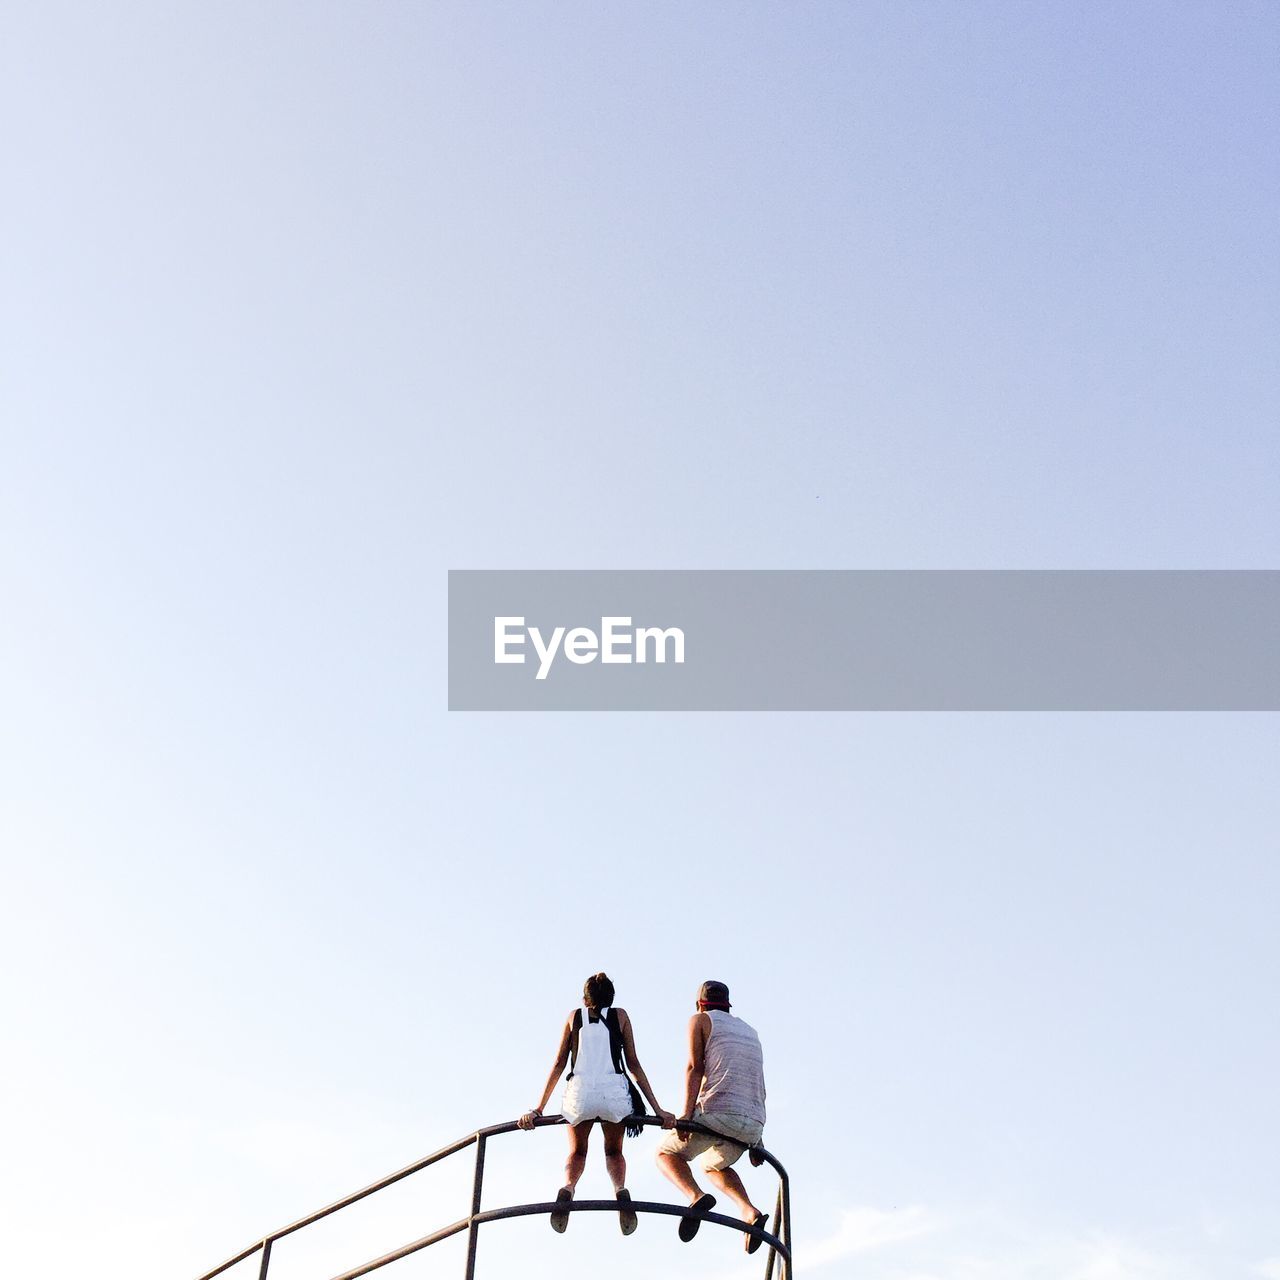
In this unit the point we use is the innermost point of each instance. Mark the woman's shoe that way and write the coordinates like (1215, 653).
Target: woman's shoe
(560, 1214)
(627, 1219)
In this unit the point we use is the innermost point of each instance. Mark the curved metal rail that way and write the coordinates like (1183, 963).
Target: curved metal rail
(778, 1241)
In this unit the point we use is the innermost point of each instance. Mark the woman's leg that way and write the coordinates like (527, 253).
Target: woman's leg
(614, 1161)
(577, 1161)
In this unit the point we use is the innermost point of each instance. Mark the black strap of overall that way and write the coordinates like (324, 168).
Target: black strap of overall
(613, 1026)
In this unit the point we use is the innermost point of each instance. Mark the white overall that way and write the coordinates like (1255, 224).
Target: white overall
(597, 1091)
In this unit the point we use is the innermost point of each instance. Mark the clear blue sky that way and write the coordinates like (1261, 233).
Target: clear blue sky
(304, 305)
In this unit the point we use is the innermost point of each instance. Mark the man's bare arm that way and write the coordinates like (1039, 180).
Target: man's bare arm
(699, 1028)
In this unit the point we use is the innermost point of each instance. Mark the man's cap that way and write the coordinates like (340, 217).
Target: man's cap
(714, 993)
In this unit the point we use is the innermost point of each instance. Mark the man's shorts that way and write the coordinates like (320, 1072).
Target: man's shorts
(719, 1152)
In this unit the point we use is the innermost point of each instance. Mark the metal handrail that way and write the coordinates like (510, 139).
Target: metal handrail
(778, 1241)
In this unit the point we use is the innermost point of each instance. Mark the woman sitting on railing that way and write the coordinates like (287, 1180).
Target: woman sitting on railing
(602, 1049)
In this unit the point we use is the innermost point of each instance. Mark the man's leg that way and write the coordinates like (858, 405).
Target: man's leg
(727, 1180)
(676, 1169)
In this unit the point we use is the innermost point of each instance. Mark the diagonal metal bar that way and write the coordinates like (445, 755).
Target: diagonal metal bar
(405, 1250)
(418, 1165)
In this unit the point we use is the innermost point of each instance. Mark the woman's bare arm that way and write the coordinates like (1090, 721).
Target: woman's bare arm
(557, 1069)
(629, 1049)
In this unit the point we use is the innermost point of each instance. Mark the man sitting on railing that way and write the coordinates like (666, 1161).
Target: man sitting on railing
(724, 1091)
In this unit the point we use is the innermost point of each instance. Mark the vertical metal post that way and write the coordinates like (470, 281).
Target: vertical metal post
(777, 1231)
(785, 1189)
(266, 1259)
(473, 1229)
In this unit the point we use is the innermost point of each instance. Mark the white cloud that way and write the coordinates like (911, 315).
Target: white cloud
(920, 1243)
(865, 1228)
(1114, 1260)
(1270, 1269)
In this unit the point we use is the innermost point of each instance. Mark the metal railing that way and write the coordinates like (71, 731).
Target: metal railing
(777, 1241)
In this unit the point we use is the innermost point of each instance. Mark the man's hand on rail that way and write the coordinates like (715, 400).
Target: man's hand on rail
(526, 1121)
(668, 1119)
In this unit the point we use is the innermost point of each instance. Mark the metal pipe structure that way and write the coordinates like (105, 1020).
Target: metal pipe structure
(778, 1241)
(265, 1244)
(477, 1189)
(777, 1230)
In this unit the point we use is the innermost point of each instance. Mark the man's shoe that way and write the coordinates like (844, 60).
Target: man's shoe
(689, 1225)
(752, 1243)
(627, 1219)
(560, 1214)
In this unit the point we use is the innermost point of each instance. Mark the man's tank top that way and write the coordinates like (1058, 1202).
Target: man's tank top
(733, 1072)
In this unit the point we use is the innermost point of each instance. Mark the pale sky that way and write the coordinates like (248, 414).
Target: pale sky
(305, 305)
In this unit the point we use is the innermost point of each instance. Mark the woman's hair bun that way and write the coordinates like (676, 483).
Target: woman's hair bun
(598, 991)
